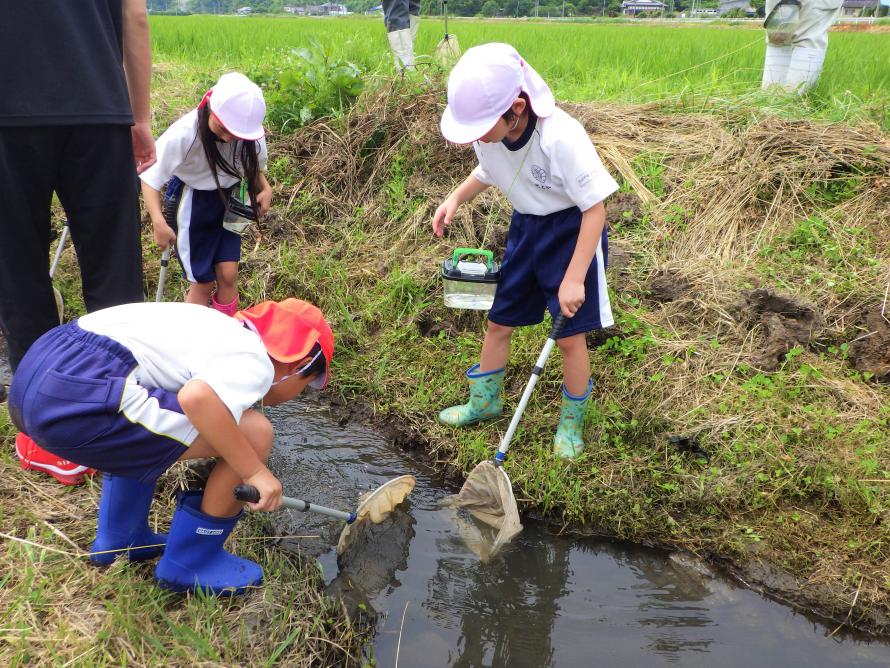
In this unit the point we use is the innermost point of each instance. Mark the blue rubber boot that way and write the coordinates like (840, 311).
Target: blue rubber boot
(569, 439)
(195, 558)
(123, 522)
(486, 398)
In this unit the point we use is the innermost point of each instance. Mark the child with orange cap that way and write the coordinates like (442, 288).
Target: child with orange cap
(131, 389)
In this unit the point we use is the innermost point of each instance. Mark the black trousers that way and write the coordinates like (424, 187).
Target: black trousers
(91, 170)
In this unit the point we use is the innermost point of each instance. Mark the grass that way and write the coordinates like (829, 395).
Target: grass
(701, 67)
(57, 609)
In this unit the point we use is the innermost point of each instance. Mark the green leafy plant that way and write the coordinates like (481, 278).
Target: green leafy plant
(310, 83)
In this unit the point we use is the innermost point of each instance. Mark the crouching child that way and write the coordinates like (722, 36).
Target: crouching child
(132, 389)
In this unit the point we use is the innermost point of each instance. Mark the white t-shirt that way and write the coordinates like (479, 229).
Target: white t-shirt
(175, 343)
(558, 168)
(181, 154)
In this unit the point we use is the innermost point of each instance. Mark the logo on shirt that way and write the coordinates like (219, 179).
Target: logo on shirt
(583, 179)
(540, 175)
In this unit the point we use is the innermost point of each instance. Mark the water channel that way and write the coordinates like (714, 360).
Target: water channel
(548, 600)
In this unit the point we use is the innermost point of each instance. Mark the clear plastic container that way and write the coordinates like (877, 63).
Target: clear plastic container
(782, 22)
(470, 283)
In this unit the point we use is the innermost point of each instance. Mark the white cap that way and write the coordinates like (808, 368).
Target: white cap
(483, 85)
(238, 104)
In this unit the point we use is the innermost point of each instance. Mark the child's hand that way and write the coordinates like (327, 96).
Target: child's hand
(444, 214)
(264, 201)
(269, 489)
(164, 235)
(571, 296)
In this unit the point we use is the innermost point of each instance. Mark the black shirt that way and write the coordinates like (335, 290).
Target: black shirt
(63, 63)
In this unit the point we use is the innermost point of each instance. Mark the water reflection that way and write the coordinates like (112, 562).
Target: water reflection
(546, 601)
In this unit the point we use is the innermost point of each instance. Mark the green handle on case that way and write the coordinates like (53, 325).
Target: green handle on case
(473, 251)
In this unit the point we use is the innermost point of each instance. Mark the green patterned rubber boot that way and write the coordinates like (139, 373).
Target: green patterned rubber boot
(569, 439)
(486, 398)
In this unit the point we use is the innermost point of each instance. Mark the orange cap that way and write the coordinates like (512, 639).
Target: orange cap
(289, 329)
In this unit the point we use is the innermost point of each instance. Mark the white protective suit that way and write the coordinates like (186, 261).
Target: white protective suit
(796, 66)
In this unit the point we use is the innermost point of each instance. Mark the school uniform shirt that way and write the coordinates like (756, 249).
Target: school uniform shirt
(181, 154)
(557, 168)
(174, 343)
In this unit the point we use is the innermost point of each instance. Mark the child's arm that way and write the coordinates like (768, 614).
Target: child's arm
(463, 193)
(571, 290)
(264, 196)
(164, 235)
(210, 416)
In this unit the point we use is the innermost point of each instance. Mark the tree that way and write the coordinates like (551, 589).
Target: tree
(490, 8)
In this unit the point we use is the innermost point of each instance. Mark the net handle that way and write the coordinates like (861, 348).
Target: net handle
(558, 324)
(250, 494)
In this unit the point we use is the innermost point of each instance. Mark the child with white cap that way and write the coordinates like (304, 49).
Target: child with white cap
(132, 389)
(201, 157)
(544, 162)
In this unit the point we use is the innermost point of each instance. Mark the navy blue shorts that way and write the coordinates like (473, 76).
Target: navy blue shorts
(76, 395)
(539, 249)
(201, 240)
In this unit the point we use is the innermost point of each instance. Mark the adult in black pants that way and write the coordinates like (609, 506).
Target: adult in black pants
(74, 121)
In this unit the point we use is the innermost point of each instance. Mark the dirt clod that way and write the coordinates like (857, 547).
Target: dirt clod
(786, 322)
(871, 351)
(666, 285)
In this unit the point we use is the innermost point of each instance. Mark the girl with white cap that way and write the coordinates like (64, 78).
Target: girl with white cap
(201, 157)
(544, 162)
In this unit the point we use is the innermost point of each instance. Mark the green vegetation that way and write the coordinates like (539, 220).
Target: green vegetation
(693, 67)
(731, 227)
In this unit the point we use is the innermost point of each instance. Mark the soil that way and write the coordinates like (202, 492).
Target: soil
(666, 285)
(870, 352)
(623, 208)
(786, 322)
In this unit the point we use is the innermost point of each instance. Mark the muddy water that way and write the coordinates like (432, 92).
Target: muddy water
(547, 601)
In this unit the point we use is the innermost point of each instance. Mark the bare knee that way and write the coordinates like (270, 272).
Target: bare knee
(227, 275)
(572, 344)
(259, 432)
(498, 331)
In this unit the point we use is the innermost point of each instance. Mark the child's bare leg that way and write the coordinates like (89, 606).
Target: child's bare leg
(226, 282)
(495, 347)
(219, 499)
(575, 363)
(199, 293)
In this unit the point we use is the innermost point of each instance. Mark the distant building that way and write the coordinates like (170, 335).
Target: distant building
(634, 7)
(726, 6)
(244, 11)
(327, 9)
(374, 10)
(855, 7)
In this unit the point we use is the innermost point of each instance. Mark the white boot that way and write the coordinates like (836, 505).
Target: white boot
(775, 66)
(804, 68)
(402, 48)
(415, 25)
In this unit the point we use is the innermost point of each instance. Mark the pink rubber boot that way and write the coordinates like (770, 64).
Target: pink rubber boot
(229, 309)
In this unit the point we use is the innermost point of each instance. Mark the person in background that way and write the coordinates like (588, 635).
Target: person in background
(201, 158)
(544, 162)
(74, 123)
(402, 19)
(795, 50)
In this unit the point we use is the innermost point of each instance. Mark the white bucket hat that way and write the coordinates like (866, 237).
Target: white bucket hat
(483, 85)
(238, 104)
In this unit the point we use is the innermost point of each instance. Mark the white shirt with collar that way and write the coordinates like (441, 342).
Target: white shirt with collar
(181, 154)
(556, 169)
